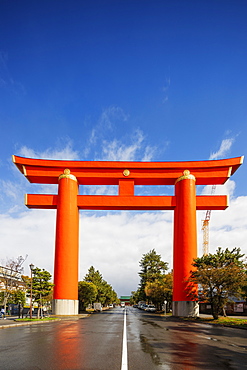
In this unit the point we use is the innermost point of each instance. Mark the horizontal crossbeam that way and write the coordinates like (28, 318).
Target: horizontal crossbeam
(115, 202)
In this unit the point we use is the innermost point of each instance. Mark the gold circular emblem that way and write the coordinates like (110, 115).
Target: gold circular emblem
(186, 173)
(126, 172)
(66, 171)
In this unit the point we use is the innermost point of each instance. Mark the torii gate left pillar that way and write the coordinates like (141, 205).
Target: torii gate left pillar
(69, 174)
(65, 294)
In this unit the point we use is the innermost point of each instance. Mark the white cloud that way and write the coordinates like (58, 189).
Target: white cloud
(24, 151)
(229, 228)
(224, 149)
(8, 189)
(63, 151)
(111, 118)
(115, 150)
(225, 189)
(32, 233)
(103, 145)
(12, 192)
(114, 244)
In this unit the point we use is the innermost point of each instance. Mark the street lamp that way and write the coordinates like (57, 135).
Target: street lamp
(31, 290)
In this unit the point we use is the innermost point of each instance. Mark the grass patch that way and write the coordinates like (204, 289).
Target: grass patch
(231, 321)
(44, 319)
(167, 314)
(224, 321)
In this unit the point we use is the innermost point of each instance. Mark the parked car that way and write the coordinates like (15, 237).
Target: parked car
(143, 306)
(140, 304)
(150, 308)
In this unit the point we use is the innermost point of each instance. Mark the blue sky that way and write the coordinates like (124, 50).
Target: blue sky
(120, 80)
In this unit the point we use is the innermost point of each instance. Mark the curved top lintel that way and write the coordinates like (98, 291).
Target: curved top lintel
(143, 173)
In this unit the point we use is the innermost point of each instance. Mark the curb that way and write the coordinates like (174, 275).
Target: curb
(15, 324)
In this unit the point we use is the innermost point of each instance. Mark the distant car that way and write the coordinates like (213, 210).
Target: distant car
(150, 308)
(110, 305)
(144, 306)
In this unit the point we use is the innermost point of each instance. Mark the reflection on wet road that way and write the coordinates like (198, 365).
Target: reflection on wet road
(174, 344)
(96, 343)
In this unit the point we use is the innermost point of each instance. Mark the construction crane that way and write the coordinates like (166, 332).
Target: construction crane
(205, 228)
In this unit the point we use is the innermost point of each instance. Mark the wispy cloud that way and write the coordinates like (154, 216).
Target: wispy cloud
(62, 151)
(165, 89)
(110, 118)
(116, 150)
(229, 187)
(104, 145)
(136, 149)
(225, 147)
(133, 147)
(12, 192)
(6, 80)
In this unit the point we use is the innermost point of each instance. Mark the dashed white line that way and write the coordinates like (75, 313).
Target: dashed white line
(124, 365)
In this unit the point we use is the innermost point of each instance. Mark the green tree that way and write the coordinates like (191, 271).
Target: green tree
(221, 277)
(87, 293)
(110, 296)
(41, 287)
(134, 298)
(160, 290)
(152, 271)
(105, 292)
(95, 277)
(168, 289)
(18, 297)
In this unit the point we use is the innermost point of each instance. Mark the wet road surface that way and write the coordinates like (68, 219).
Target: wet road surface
(178, 345)
(98, 343)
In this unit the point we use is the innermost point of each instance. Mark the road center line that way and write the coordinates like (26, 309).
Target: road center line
(124, 346)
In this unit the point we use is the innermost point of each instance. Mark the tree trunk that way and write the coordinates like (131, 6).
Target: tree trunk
(214, 310)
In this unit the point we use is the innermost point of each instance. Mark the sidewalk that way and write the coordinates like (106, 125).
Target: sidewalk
(10, 320)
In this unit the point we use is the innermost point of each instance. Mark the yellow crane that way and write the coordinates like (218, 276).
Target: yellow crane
(205, 228)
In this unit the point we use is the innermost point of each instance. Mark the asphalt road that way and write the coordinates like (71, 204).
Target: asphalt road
(122, 339)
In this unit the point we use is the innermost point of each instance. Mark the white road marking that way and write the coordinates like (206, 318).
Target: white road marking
(124, 347)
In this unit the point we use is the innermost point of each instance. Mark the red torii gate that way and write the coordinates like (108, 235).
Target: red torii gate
(70, 174)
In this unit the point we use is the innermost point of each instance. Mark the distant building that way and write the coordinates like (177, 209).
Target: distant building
(10, 279)
(237, 308)
(125, 299)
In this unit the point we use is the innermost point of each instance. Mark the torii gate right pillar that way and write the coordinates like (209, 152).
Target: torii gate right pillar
(185, 247)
